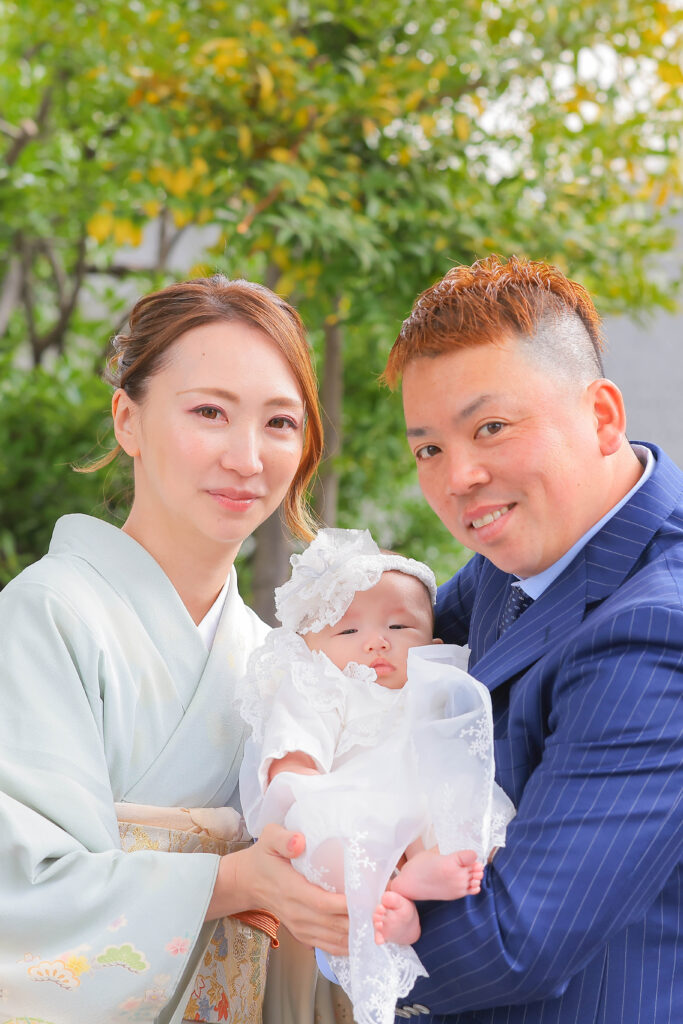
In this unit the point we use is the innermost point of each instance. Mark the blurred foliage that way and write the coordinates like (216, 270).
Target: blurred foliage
(44, 415)
(348, 153)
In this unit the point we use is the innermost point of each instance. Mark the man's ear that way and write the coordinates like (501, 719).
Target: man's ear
(436, 640)
(125, 413)
(607, 405)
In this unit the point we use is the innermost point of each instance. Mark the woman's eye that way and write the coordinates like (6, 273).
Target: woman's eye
(491, 429)
(282, 423)
(427, 452)
(208, 412)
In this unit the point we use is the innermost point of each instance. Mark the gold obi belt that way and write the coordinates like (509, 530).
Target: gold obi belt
(229, 979)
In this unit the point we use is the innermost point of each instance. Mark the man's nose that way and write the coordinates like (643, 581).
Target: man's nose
(466, 469)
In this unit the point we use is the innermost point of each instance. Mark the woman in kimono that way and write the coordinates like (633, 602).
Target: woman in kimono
(120, 652)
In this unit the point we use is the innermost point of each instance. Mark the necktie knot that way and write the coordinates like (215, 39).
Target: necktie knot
(517, 602)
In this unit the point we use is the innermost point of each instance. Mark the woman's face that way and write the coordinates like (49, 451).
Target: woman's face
(216, 440)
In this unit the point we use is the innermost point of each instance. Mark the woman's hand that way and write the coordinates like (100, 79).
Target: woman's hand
(262, 877)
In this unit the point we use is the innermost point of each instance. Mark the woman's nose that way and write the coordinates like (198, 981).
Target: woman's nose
(242, 453)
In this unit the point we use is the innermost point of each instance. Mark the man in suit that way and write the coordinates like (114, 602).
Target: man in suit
(573, 608)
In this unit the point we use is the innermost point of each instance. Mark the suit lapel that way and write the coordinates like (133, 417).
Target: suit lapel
(596, 572)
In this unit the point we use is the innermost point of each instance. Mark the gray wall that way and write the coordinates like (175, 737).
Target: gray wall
(646, 361)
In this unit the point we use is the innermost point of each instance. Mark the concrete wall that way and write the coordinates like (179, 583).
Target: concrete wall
(646, 361)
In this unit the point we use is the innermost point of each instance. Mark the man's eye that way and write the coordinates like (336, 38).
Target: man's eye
(427, 452)
(491, 429)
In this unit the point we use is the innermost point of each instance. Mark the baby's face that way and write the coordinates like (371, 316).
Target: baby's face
(379, 627)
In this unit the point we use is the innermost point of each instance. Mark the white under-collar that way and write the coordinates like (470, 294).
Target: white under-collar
(209, 624)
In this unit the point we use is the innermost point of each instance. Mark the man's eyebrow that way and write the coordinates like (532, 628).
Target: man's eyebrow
(463, 414)
(231, 396)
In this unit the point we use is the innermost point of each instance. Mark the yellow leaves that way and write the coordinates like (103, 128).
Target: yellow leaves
(428, 125)
(181, 218)
(307, 46)
(152, 208)
(267, 86)
(318, 188)
(127, 233)
(101, 226)
(245, 140)
(440, 243)
(405, 155)
(461, 126)
(135, 176)
(153, 17)
(413, 99)
(371, 133)
(180, 181)
(281, 155)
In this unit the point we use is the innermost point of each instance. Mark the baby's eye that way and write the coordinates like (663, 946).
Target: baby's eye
(399, 625)
(428, 451)
(346, 632)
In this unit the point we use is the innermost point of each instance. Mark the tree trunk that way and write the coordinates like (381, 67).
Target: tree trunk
(270, 566)
(331, 400)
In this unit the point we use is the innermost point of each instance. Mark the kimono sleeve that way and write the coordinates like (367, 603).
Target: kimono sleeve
(89, 933)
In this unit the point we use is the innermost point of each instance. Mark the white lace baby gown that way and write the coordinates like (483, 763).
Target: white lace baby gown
(394, 765)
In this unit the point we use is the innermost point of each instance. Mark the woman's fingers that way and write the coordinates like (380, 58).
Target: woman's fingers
(314, 916)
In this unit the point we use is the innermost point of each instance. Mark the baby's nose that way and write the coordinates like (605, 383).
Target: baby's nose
(378, 641)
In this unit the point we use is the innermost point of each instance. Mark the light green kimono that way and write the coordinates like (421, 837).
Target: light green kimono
(107, 693)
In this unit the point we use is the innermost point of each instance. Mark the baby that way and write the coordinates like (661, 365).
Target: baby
(370, 739)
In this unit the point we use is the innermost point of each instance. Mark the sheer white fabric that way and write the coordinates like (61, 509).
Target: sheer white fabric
(395, 765)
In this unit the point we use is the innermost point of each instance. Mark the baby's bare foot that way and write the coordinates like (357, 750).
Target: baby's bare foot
(396, 920)
(434, 876)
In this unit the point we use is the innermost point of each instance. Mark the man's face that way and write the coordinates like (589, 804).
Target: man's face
(508, 455)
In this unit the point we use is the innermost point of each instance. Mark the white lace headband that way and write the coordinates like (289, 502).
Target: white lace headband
(334, 567)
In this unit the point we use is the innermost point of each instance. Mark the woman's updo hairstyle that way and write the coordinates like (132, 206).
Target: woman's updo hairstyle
(159, 319)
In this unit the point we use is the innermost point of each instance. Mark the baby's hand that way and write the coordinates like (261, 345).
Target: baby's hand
(295, 761)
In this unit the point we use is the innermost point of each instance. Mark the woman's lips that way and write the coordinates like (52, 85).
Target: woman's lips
(234, 499)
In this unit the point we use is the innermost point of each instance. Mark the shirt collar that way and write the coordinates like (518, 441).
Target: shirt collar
(534, 586)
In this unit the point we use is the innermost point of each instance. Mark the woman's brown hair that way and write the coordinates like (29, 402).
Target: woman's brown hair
(159, 319)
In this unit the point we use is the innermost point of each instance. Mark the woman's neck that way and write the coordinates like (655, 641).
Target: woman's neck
(196, 567)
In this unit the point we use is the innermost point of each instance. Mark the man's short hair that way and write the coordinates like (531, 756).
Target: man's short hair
(492, 300)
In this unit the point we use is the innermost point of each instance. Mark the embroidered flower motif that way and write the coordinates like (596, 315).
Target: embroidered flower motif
(117, 923)
(130, 1004)
(123, 956)
(178, 947)
(76, 964)
(56, 971)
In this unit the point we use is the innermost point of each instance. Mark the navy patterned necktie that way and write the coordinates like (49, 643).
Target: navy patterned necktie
(517, 602)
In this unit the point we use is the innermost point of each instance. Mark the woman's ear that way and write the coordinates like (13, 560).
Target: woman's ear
(125, 413)
(609, 415)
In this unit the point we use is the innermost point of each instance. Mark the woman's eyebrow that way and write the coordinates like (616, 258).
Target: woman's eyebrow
(231, 396)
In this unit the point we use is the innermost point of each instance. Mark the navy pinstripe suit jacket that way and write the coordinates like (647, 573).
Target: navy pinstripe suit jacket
(579, 915)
